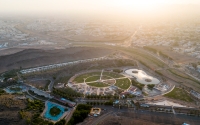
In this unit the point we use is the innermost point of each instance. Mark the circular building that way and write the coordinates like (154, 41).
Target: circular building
(142, 77)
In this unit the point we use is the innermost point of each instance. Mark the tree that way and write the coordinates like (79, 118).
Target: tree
(54, 77)
(61, 122)
(1, 91)
(79, 114)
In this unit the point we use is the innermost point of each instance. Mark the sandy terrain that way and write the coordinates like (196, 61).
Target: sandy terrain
(38, 57)
(167, 103)
(39, 83)
(128, 118)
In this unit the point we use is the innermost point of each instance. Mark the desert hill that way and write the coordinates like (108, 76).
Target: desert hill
(37, 57)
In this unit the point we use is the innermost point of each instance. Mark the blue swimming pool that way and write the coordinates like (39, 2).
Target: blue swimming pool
(49, 116)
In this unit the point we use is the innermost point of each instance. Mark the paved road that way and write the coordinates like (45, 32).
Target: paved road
(101, 118)
(171, 116)
(183, 69)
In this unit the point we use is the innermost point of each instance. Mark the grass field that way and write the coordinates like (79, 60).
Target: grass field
(92, 78)
(80, 78)
(98, 84)
(106, 77)
(111, 74)
(179, 94)
(123, 83)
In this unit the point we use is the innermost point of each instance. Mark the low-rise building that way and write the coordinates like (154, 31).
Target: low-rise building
(95, 111)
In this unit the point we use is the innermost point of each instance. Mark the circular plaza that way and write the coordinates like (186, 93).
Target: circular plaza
(99, 82)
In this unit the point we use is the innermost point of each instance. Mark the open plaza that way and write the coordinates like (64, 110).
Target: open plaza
(108, 82)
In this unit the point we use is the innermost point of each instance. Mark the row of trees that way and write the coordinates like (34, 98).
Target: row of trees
(107, 96)
(67, 93)
(79, 114)
(100, 96)
(100, 103)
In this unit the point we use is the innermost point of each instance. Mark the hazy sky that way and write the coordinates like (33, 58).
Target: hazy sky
(49, 6)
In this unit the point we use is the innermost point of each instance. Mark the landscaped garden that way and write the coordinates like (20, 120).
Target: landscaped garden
(123, 83)
(104, 79)
(98, 84)
(80, 78)
(112, 74)
(55, 111)
(93, 78)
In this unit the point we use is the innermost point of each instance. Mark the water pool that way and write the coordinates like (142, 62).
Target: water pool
(19, 89)
(51, 105)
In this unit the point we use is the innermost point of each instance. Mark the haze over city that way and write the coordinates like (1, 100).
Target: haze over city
(87, 6)
(105, 62)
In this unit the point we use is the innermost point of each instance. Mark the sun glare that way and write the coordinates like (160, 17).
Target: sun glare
(140, 5)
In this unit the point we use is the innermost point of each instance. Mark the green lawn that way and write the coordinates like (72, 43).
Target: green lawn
(112, 74)
(80, 78)
(106, 77)
(92, 78)
(98, 84)
(179, 94)
(123, 83)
